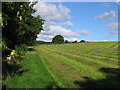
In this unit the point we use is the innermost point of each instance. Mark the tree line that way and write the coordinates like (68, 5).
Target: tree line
(58, 39)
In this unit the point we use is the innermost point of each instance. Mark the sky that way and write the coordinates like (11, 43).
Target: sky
(90, 21)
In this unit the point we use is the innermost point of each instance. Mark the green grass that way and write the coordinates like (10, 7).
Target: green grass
(69, 66)
(37, 76)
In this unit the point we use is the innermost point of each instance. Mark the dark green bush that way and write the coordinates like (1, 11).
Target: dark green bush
(82, 41)
(75, 42)
(66, 41)
(20, 50)
(40, 42)
(58, 39)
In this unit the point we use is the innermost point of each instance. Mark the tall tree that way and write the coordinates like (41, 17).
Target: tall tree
(19, 26)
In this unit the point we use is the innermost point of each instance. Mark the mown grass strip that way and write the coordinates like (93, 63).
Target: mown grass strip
(93, 52)
(103, 59)
(63, 74)
(86, 60)
(110, 45)
(82, 68)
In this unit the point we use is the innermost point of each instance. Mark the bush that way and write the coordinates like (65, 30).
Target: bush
(75, 42)
(18, 52)
(82, 41)
(4, 46)
(66, 41)
(21, 49)
(58, 39)
(40, 42)
(5, 50)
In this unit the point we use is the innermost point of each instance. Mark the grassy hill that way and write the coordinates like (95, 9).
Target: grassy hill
(75, 65)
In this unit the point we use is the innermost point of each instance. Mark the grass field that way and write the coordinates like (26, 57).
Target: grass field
(77, 65)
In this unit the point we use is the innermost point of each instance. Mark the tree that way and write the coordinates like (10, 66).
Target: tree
(19, 26)
(58, 39)
(82, 41)
(66, 41)
(75, 41)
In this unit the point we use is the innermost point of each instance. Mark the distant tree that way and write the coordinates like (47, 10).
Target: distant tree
(66, 41)
(75, 41)
(58, 39)
(82, 41)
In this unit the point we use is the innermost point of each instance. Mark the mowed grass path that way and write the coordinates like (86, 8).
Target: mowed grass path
(69, 65)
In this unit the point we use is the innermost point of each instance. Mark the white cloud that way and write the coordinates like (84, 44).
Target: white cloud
(54, 30)
(72, 39)
(117, 1)
(88, 40)
(58, 30)
(68, 24)
(105, 40)
(107, 16)
(83, 32)
(45, 37)
(51, 12)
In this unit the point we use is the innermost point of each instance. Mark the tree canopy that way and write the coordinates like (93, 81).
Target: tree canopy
(58, 39)
(19, 26)
(82, 41)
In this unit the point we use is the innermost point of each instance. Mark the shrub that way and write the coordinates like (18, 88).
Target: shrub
(4, 46)
(82, 41)
(75, 42)
(21, 49)
(40, 42)
(66, 41)
(17, 54)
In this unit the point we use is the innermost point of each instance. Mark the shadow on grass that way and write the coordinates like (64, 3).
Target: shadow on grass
(110, 70)
(53, 86)
(12, 70)
(9, 70)
(112, 80)
(31, 49)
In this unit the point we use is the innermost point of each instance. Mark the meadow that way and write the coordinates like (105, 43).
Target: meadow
(72, 65)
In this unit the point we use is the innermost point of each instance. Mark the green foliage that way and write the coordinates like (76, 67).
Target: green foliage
(66, 41)
(5, 49)
(18, 53)
(40, 42)
(58, 39)
(19, 26)
(75, 42)
(12, 55)
(21, 49)
(82, 41)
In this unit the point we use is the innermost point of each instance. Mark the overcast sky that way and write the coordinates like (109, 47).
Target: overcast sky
(90, 21)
